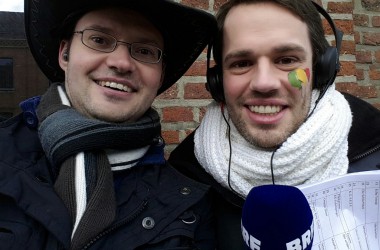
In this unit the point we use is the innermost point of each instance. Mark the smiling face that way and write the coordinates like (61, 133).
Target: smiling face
(263, 42)
(113, 86)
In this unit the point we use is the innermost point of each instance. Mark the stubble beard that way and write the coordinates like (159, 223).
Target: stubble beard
(267, 137)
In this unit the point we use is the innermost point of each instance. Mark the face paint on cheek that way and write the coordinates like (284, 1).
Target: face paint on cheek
(299, 77)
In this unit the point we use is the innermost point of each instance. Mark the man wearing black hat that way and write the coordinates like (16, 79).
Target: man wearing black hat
(82, 167)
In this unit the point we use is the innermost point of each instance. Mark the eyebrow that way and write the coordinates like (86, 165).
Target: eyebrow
(110, 31)
(100, 28)
(237, 54)
(277, 50)
(288, 48)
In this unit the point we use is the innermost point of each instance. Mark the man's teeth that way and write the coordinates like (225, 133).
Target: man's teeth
(265, 109)
(115, 85)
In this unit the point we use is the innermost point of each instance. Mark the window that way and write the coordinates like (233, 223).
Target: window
(6, 73)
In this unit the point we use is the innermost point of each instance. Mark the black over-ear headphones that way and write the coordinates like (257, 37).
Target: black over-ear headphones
(326, 68)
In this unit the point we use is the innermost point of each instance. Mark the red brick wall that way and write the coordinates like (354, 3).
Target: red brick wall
(183, 105)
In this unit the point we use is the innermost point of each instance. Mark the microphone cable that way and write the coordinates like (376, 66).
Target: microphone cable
(321, 94)
(230, 154)
(271, 164)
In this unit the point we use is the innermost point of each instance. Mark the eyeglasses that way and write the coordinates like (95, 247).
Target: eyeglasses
(100, 41)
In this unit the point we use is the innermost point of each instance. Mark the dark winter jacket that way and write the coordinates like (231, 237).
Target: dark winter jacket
(157, 208)
(363, 154)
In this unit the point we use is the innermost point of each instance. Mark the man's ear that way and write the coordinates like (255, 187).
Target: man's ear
(63, 56)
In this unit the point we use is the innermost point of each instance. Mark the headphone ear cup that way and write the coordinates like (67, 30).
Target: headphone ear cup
(214, 83)
(326, 68)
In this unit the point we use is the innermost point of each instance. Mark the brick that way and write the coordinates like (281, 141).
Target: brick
(371, 38)
(171, 136)
(196, 91)
(346, 26)
(376, 21)
(170, 93)
(360, 74)
(348, 47)
(177, 114)
(201, 4)
(347, 69)
(371, 5)
(197, 69)
(340, 7)
(361, 20)
(366, 92)
(356, 90)
(363, 57)
(350, 88)
(374, 72)
(377, 56)
(357, 37)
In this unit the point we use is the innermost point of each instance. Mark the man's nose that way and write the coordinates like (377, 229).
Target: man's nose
(264, 77)
(121, 59)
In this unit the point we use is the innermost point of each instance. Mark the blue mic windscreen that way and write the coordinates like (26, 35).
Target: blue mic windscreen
(277, 217)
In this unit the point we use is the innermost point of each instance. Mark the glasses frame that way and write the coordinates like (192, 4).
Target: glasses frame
(129, 45)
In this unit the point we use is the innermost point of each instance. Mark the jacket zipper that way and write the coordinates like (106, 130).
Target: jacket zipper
(141, 208)
(358, 157)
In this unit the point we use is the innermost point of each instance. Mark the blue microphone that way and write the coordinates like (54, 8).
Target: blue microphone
(277, 217)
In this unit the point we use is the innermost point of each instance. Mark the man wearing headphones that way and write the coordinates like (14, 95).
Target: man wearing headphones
(83, 166)
(277, 117)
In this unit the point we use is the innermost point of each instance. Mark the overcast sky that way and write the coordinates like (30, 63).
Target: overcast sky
(12, 5)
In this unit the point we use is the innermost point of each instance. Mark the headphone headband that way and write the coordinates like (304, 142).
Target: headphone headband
(338, 34)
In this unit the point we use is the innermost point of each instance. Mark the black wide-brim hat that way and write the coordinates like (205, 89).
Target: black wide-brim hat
(186, 31)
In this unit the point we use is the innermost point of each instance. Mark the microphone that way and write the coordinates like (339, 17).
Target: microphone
(277, 217)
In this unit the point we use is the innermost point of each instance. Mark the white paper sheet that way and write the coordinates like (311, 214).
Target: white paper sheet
(346, 211)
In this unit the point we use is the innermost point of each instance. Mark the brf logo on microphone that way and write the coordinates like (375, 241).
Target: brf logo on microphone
(301, 243)
(277, 217)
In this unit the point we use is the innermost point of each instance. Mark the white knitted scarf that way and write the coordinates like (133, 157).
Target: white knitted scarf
(315, 152)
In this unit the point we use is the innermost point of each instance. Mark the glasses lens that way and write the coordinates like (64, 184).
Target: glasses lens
(101, 41)
(145, 52)
(98, 40)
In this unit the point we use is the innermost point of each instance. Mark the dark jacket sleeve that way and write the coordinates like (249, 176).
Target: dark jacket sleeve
(364, 136)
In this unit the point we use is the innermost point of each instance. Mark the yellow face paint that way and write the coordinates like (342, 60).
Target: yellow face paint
(298, 77)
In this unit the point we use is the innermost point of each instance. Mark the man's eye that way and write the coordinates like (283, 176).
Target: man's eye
(98, 40)
(145, 51)
(287, 60)
(240, 64)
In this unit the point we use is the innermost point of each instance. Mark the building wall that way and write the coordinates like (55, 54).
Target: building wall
(28, 80)
(182, 107)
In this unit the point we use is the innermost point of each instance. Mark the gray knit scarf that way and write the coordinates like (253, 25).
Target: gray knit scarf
(76, 146)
